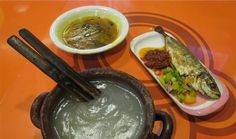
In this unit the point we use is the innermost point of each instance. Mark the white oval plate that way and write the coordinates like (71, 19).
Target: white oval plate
(203, 106)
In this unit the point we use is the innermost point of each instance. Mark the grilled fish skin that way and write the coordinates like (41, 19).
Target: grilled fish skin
(189, 67)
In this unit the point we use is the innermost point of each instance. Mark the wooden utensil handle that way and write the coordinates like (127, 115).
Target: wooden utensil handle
(46, 53)
(45, 66)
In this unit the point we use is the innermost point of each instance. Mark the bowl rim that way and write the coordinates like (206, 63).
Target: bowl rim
(123, 30)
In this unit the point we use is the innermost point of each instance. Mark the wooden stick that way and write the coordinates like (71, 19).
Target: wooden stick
(47, 68)
(45, 52)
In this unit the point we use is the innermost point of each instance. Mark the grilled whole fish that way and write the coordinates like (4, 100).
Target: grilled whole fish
(189, 67)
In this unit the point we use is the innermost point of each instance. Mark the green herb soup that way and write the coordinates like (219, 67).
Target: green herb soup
(90, 32)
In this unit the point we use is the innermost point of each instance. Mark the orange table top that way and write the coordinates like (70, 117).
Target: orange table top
(206, 27)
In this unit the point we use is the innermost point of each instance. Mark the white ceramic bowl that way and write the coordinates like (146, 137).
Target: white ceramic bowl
(66, 18)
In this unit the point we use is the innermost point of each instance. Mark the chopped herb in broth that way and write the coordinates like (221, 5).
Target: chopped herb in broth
(90, 32)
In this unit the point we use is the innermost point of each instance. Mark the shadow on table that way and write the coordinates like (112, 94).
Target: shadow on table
(92, 61)
(38, 135)
(117, 49)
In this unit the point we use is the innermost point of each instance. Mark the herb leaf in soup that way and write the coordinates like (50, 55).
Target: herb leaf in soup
(90, 32)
